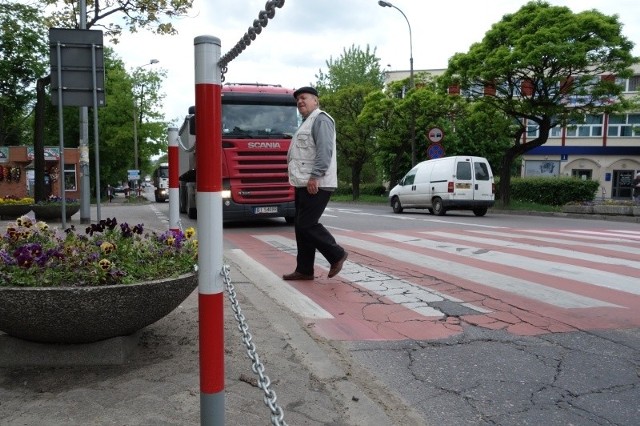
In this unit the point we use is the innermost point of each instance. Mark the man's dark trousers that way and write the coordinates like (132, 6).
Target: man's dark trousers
(312, 235)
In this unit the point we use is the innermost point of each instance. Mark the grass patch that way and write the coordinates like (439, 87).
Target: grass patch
(372, 199)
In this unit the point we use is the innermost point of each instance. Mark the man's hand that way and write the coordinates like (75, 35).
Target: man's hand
(312, 186)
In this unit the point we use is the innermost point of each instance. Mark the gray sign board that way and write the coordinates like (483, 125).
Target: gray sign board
(77, 59)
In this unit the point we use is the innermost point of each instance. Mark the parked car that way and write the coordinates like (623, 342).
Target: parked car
(120, 189)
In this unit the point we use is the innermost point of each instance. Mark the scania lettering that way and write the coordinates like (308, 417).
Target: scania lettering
(258, 122)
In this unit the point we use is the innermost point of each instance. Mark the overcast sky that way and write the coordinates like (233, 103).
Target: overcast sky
(304, 34)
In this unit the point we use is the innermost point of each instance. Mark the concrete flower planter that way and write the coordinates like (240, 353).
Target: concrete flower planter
(577, 209)
(89, 314)
(48, 212)
(13, 211)
(613, 210)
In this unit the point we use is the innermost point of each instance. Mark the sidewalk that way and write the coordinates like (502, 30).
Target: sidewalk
(159, 383)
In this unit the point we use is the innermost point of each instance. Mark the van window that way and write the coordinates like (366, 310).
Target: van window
(409, 178)
(463, 171)
(482, 172)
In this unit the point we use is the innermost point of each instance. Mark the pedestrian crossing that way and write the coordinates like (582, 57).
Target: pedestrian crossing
(431, 283)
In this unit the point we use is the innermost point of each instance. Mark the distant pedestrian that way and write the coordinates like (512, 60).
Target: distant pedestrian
(110, 192)
(313, 171)
(636, 188)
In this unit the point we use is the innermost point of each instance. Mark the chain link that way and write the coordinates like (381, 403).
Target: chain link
(250, 35)
(264, 383)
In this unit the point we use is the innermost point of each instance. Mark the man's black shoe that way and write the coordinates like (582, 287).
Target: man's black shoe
(295, 275)
(337, 267)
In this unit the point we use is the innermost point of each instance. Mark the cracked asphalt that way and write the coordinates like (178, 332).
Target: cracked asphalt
(491, 377)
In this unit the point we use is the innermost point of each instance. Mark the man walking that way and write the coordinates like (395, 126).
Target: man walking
(313, 171)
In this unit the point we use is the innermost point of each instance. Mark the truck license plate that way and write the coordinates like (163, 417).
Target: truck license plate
(266, 209)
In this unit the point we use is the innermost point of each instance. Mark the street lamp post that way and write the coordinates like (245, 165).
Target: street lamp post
(411, 84)
(387, 4)
(135, 122)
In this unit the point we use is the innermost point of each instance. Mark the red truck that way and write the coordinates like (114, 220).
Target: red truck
(258, 122)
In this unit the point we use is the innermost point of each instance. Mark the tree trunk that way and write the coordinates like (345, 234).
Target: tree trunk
(512, 153)
(40, 193)
(355, 181)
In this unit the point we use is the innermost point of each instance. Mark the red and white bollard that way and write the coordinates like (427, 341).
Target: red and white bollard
(210, 246)
(174, 207)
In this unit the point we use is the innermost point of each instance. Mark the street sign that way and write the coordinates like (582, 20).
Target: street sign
(435, 135)
(435, 150)
(133, 174)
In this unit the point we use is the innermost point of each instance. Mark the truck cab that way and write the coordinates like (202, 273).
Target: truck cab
(257, 123)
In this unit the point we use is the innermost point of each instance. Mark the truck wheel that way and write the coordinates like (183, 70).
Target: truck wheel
(438, 208)
(480, 211)
(289, 219)
(395, 203)
(192, 213)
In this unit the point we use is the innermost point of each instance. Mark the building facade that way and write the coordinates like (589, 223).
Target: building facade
(17, 178)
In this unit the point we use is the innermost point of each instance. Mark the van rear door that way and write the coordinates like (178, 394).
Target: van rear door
(483, 180)
(463, 183)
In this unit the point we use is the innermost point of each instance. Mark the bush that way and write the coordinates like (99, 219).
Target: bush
(553, 191)
(365, 189)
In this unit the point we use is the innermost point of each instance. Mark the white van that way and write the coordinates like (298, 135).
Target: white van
(448, 183)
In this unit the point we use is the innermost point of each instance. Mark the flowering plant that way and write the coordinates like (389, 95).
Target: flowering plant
(34, 255)
(55, 200)
(10, 200)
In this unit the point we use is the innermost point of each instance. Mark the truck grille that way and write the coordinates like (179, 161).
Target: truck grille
(259, 176)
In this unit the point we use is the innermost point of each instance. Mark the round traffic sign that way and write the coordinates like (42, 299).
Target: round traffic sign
(435, 150)
(435, 135)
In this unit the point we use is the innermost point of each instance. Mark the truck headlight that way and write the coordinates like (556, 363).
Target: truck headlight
(226, 193)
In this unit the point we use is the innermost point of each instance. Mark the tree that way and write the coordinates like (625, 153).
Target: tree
(22, 61)
(353, 67)
(343, 90)
(136, 14)
(546, 65)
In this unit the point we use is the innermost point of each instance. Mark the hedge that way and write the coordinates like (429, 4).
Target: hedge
(555, 191)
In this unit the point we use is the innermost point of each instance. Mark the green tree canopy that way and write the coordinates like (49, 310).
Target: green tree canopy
(134, 15)
(23, 51)
(545, 64)
(343, 89)
(353, 67)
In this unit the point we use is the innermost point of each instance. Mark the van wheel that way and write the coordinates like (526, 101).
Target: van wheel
(438, 208)
(430, 211)
(397, 207)
(480, 211)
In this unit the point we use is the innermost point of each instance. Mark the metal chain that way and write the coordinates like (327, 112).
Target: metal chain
(264, 383)
(250, 35)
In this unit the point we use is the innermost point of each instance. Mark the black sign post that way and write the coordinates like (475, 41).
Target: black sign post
(77, 79)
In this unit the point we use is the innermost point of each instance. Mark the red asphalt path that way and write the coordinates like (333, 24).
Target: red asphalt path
(527, 282)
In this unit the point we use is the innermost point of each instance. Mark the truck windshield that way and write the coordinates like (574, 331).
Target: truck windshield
(259, 121)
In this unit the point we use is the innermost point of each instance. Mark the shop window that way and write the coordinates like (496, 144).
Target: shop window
(70, 182)
(584, 174)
